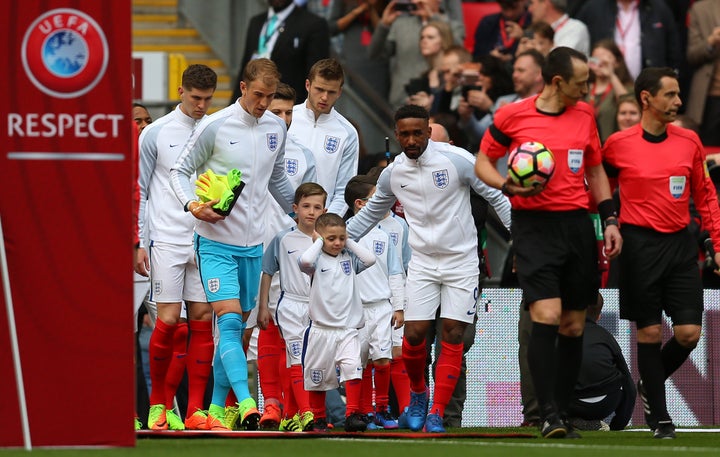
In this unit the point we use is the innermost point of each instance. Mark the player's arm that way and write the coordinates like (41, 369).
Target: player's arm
(308, 260)
(280, 187)
(263, 317)
(464, 164)
(600, 191)
(147, 160)
(375, 209)
(396, 280)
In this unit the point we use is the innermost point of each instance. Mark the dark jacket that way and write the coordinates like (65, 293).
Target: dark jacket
(659, 38)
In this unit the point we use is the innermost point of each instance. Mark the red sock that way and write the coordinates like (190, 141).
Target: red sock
(199, 365)
(231, 399)
(160, 352)
(290, 406)
(366, 393)
(414, 357)
(446, 375)
(400, 382)
(353, 387)
(317, 403)
(302, 397)
(176, 370)
(382, 386)
(269, 348)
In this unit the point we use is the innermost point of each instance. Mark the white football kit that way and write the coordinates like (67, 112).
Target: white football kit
(398, 230)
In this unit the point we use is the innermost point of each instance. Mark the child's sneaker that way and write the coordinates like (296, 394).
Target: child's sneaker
(174, 422)
(157, 420)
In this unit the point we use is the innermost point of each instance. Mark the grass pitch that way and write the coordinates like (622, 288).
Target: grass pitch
(693, 443)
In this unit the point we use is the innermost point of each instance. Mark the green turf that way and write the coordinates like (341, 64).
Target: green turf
(600, 444)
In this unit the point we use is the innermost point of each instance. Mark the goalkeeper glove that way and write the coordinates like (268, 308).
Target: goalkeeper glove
(225, 189)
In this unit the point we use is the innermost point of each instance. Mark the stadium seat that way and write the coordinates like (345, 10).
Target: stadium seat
(472, 13)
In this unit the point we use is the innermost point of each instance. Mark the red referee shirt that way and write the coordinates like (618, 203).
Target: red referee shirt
(572, 137)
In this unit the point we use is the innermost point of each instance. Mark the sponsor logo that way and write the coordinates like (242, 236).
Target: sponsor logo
(440, 178)
(64, 53)
(234, 142)
(323, 270)
(402, 186)
(174, 145)
(294, 250)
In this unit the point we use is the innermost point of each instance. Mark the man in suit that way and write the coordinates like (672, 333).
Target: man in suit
(703, 54)
(290, 36)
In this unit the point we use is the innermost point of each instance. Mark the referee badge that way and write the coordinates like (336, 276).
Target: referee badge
(575, 159)
(345, 265)
(677, 186)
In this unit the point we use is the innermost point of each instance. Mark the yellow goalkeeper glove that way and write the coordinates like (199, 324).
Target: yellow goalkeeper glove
(225, 189)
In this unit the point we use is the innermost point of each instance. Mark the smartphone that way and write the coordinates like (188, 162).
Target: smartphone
(465, 89)
(406, 6)
(416, 85)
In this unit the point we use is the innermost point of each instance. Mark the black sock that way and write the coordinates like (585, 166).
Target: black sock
(673, 356)
(651, 370)
(542, 359)
(569, 356)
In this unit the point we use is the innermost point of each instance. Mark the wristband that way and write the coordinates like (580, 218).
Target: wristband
(187, 206)
(610, 221)
(606, 209)
(505, 190)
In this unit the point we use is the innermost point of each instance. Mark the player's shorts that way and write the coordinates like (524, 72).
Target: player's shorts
(141, 287)
(229, 272)
(556, 256)
(658, 272)
(455, 291)
(397, 336)
(291, 318)
(376, 335)
(252, 350)
(174, 274)
(329, 349)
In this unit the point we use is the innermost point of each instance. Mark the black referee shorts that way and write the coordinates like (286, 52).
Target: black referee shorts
(659, 272)
(556, 256)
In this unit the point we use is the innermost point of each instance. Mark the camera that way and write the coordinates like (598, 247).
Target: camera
(406, 6)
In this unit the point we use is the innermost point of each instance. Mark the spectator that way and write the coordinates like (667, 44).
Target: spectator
(703, 54)
(141, 116)
(609, 79)
(499, 34)
(568, 31)
(539, 35)
(628, 111)
(290, 36)
(644, 30)
(435, 39)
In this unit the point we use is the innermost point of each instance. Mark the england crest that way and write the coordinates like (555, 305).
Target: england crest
(316, 376)
(272, 141)
(157, 287)
(213, 284)
(345, 265)
(332, 144)
(394, 237)
(291, 167)
(378, 247)
(296, 348)
(440, 178)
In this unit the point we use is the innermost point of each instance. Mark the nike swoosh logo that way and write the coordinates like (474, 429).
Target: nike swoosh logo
(234, 142)
(383, 349)
(402, 186)
(174, 145)
(471, 312)
(290, 252)
(323, 270)
(203, 362)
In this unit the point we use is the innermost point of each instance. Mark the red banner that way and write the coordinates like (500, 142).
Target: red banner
(66, 213)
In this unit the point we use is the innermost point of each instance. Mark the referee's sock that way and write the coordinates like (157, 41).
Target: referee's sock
(652, 373)
(414, 357)
(569, 356)
(673, 356)
(542, 359)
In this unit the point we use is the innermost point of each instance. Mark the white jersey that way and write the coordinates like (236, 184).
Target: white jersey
(334, 295)
(160, 145)
(434, 190)
(399, 231)
(282, 255)
(334, 142)
(386, 279)
(299, 168)
(233, 138)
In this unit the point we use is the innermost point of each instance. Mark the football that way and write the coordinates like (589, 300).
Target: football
(530, 164)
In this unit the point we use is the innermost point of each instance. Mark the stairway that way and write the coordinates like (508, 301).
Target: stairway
(158, 27)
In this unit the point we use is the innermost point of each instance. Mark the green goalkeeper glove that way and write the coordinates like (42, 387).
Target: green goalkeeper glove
(225, 189)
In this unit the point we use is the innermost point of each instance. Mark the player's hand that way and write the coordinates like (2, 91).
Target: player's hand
(389, 14)
(398, 319)
(142, 262)
(521, 191)
(263, 317)
(205, 211)
(716, 257)
(613, 241)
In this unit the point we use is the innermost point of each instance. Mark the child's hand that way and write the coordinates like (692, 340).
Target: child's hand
(315, 235)
(398, 319)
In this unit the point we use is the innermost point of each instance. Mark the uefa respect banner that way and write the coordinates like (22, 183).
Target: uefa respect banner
(66, 214)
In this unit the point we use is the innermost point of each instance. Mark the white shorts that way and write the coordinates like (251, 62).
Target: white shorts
(455, 291)
(252, 351)
(397, 336)
(174, 274)
(292, 320)
(141, 287)
(376, 336)
(328, 350)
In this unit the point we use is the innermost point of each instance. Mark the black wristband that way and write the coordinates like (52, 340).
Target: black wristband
(610, 221)
(505, 190)
(606, 208)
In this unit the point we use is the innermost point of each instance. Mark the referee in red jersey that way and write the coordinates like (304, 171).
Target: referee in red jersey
(553, 235)
(660, 167)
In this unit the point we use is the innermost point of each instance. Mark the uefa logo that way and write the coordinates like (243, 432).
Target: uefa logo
(64, 53)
